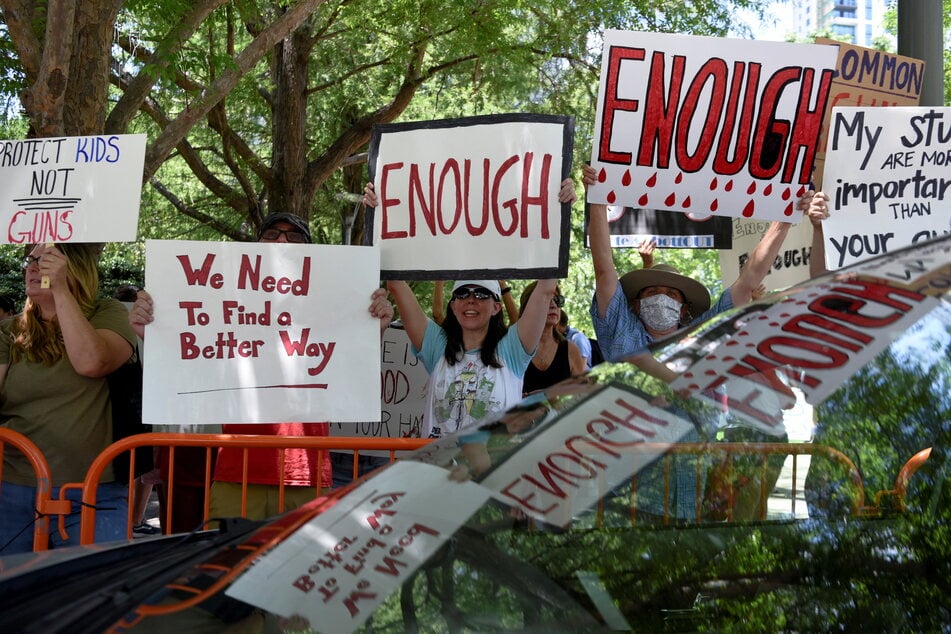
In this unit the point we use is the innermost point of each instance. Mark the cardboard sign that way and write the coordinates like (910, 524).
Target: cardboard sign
(565, 468)
(867, 77)
(791, 265)
(260, 333)
(813, 340)
(335, 570)
(71, 189)
(733, 134)
(630, 226)
(403, 380)
(888, 179)
(472, 198)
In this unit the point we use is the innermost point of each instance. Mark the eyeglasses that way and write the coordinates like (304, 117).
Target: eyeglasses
(271, 235)
(478, 293)
(29, 260)
(559, 300)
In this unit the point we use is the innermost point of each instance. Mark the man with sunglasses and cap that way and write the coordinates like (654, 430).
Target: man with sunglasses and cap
(300, 475)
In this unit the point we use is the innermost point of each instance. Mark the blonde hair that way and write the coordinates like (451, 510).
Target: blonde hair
(41, 341)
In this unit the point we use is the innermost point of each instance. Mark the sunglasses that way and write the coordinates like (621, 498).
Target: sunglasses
(292, 236)
(28, 261)
(559, 300)
(478, 293)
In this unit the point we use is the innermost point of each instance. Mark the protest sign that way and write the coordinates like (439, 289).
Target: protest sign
(791, 265)
(813, 341)
(888, 180)
(867, 77)
(336, 569)
(708, 125)
(260, 333)
(71, 189)
(403, 380)
(566, 467)
(630, 226)
(472, 198)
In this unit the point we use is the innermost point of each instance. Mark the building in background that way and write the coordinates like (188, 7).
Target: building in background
(856, 21)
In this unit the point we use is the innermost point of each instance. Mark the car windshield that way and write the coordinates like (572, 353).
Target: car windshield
(792, 477)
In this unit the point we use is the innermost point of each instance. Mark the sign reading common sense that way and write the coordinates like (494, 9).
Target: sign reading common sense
(260, 333)
(472, 197)
(71, 189)
(708, 125)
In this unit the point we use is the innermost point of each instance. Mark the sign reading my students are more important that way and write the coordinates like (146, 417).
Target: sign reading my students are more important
(472, 197)
(336, 569)
(592, 448)
(870, 78)
(702, 124)
(888, 176)
(813, 340)
(260, 333)
(71, 189)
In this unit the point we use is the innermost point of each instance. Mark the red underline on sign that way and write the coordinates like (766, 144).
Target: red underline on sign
(311, 386)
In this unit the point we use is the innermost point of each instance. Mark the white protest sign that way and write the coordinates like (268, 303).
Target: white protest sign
(403, 380)
(71, 189)
(708, 125)
(791, 265)
(470, 198)
(813, 340)
(565, 468)
(260, 333)
(336, 569)
(888, 178)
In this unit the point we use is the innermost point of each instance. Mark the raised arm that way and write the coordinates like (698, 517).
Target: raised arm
(511, 308)
(439, 302)
(817, 212)
(411, 313)
(532, 321)
(605, 275)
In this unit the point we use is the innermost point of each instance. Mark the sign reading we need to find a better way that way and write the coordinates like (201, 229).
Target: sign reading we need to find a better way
(71, 189)
(260, 333)
(708, 125)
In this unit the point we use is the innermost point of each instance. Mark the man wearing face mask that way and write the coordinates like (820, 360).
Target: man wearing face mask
(648, 304)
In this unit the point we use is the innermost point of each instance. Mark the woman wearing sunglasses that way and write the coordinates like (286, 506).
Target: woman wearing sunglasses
(556, 358)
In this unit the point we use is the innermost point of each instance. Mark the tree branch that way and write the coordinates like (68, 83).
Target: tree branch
(203, 218)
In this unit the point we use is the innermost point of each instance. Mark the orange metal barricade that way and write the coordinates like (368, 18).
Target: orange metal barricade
(211, 442)
(45, 505)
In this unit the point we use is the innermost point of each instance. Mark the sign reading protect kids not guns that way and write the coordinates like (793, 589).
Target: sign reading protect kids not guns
(260, 333)
(708, 125)
(472, 197)
(71, 189)
(888, 179)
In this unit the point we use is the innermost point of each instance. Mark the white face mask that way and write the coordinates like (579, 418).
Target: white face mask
(660, 312)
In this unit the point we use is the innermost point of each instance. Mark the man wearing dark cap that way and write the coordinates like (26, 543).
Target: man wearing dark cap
(281, 226)
(647, 304)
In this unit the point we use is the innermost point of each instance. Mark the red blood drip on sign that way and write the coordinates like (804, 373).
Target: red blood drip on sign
(680, 177)
(626, 179)
(748, 210)
(652, 180)
(686, 203)
(786, 194)
(788, 210)
(714, 205)
(642, 201)
(729, 185)
(768, 190)
(602, 176)
(800, 192)
(670, 200)
(751, 189)
(713, 183)
(611, 197)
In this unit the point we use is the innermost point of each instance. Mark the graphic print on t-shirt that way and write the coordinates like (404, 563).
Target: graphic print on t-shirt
(466, 398)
